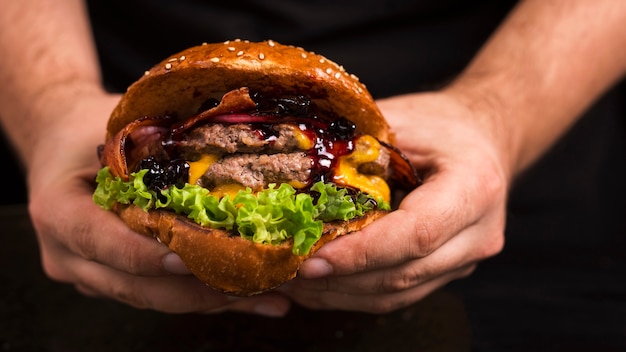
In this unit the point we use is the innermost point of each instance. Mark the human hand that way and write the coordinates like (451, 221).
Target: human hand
(93, 249)
(439, 232)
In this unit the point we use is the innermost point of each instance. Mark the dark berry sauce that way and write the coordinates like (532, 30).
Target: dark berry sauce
(331, 137)
(161, 175)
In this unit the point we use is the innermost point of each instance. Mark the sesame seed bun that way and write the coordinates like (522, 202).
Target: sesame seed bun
(180, 84)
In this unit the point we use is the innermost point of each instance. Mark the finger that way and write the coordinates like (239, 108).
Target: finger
(428, 217)
(173, 294)
(170, 294)
(100, 236)
(472, 245)
(376, 303)
(96, 280)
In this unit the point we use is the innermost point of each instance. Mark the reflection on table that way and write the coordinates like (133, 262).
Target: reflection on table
(41, 315)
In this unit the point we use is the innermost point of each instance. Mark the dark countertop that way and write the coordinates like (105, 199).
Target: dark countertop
(38, 314)
(524, 299)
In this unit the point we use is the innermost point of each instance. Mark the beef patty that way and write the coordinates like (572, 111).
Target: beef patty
(256, 156)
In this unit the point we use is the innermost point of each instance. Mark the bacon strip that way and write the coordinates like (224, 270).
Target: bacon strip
(403, 173)
(115, 151)
(235, 101)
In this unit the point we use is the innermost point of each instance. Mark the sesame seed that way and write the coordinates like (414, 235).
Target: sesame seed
(322, 60)
(261, 56)
(240, 52)
(231, 48)
(168, 66)
(227, 42)
(329, 71)
(172, 59)
(205, 43)
(182, 58)
(270, 43)
(337, 75)
(304, 55)
(146, 73)
(215, 59)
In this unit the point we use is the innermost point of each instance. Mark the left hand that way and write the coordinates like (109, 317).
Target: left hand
(439, 232)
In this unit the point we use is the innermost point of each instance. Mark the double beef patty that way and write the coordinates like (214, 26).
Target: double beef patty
(256, 157)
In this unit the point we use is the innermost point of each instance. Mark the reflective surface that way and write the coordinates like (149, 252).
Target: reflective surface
(539, 298)
(40, 315)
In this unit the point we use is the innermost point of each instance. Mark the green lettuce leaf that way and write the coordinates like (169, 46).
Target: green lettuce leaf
(271, 216)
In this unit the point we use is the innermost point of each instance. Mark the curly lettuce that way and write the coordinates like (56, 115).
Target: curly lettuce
(271, 216)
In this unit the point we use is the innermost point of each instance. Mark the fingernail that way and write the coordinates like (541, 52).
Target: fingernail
(173, 264)
(315, 268)
(268, 310)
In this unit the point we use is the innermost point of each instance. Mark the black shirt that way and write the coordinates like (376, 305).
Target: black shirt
(575, 192)
(394, 46)
(566, 216)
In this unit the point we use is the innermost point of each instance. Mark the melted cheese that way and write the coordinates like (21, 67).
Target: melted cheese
(230, 189)
(199, 167)
(304, 141)
(367, 149)
(297, 184)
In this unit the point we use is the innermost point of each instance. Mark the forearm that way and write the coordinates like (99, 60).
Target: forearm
(47, 62)
(549, 61)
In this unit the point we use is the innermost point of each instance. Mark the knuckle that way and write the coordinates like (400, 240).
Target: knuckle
(53, 270)
(492, 183)
(131, 260)
(495, 246)
(493, 243)
(399, 280)
(422, 243)
(84, 243)
(363, 259)
(53, 262)
(130, 296)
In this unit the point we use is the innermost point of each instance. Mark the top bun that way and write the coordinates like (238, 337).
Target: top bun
(180, 84)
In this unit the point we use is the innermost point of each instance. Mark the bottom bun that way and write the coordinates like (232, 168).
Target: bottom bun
(227, 263)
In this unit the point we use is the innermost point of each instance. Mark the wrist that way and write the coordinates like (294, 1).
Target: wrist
(49, 111)
(489, 110)
(67, 125)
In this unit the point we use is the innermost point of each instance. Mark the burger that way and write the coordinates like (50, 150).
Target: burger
(245, 158)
